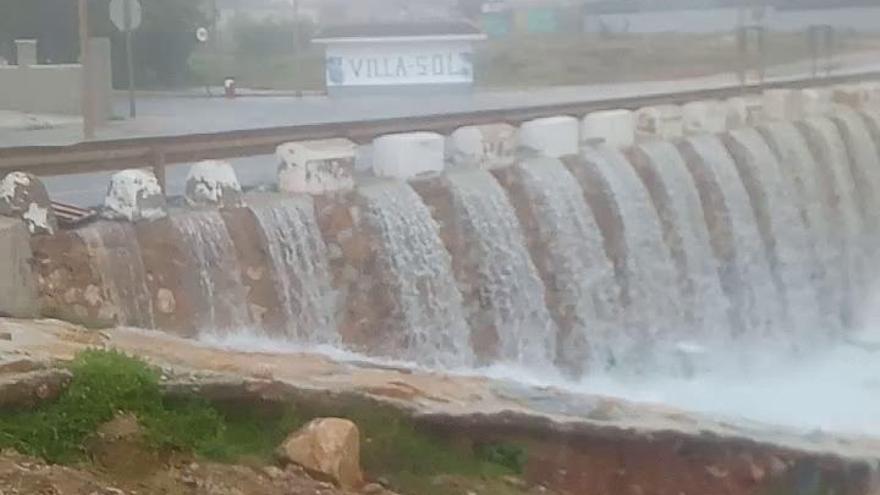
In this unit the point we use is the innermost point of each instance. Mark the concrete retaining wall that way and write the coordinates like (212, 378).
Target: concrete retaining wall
(18, 293)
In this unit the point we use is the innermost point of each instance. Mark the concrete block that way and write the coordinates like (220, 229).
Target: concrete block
(212, 183)
(857, 96)
(24, 196)
(26, 52)
(18, 290)
(615, 128)
(744, 111)
(316, 167)
(553, 137)
(487, 146)
(134, 195)
(781, 105)
(704, 117)
(814, 102)
(405, 155)
(659, 122)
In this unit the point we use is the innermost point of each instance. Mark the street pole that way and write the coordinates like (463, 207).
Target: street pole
(87, 95)
(129, 58)
(297, 64)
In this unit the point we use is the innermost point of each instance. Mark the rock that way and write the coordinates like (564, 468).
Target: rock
(24, 196)
(373, 489)
(165, 301)
(26, 390)
(487, 146)
(407, 155)
(213, 183)
(327, 448)
(5, 336)
(316, 167)
(134, 195)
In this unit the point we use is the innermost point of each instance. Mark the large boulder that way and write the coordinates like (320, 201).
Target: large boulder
(213, 183)
(134, 195)
(316, 167)
(487, 146)
(327, 448)
(24, 196)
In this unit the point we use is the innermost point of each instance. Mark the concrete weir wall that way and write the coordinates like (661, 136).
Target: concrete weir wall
(18, 291)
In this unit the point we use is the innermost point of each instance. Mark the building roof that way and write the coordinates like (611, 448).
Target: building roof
(390, 31)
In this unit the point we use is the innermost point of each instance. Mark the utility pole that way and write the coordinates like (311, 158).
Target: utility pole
(297, 62)
(87, 95)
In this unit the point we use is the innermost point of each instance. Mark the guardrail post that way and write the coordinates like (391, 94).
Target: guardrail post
(158, 161)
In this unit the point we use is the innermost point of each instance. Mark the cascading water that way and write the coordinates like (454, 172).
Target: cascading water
(653, 310)
(678, 203)
(865, 167)
(433, 330)
(511, 289)
(782, 228)
(747, 277)
(117, 255)
(300, 270)
(223, 305)
(829, 246)
(583, 275)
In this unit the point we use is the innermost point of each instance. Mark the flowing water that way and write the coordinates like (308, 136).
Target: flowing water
(511, 288)
(117, 257)
(678, 203)
(222, 298)
(583, 275)
(419, 272)
(300, 270)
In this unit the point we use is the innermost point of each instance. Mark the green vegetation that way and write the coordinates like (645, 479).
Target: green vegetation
(107, 383)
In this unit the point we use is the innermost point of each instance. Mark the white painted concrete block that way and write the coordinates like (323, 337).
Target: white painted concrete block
(616, 128)
(781, 105)
(406, 155)
(659, 122)
(316, 167)
(134, 195)
(487, 146)
(212, 183)
(744, 111)
(24, 196)
(856, 96)
(554, 137)
(704, 117)
(814, 102)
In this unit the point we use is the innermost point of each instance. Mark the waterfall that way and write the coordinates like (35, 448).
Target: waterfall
(512, 292)
(835, 174)
(417, 271)
(829, 247)
(654, 317)
(864, 165)
(747, 278)
(582, 274)
(678, 203)
(789, 247)
(117, 257)
(222, 296)
(300, 269)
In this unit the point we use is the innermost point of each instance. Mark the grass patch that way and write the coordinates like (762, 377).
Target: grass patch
(106, 383)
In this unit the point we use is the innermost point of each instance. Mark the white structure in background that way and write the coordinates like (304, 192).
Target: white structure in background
(373, 57)
(553, 137)
(134, 195)
(615, 128)
(316, 167)
(487, 146)
(406, 155)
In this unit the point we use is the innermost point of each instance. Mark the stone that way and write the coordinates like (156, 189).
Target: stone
(134, 195)
(213, 183)
(316, 167)
(407, 155)
(744, 111)
(18, 285)
(659, 122)
(24, 196)
(616, 128)
(327, 448)
(486, 146)
(553, 137)
(704, 117)
(165, 301)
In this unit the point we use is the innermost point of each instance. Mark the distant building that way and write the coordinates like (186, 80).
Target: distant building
(398, 56)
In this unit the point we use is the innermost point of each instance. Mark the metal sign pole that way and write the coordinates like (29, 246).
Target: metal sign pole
(87, 95)
(129, 59)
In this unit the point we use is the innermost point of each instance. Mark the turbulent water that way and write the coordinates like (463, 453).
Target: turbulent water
(300, 270)
(582, 274)
(222, 296)
(678, 203)
(510, 284)
(419, 273)
(117, 257)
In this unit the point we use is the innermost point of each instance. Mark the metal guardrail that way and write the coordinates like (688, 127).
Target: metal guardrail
(156, 152)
